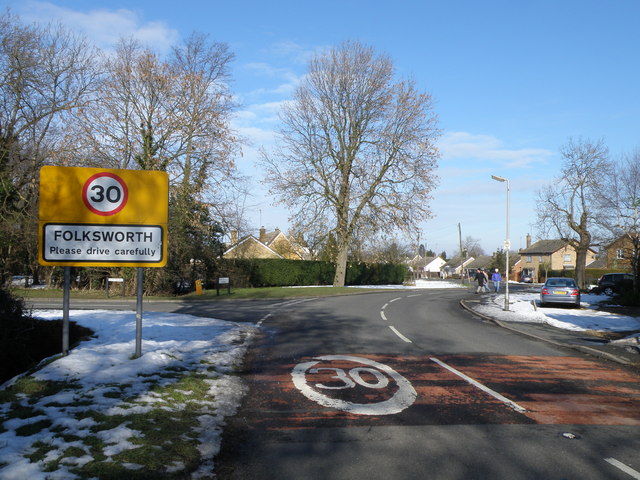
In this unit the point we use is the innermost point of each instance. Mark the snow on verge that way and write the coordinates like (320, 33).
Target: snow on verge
(522, 309)
(105, 372)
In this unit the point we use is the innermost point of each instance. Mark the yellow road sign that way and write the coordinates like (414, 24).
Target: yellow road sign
(103, 217)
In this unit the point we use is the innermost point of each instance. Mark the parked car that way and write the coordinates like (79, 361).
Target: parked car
(21, 281)
(611, 283)
(560, 290)
(526, 277)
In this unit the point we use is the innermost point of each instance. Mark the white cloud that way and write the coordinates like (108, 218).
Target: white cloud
(104, 27)
(463, 145)
(286, 79)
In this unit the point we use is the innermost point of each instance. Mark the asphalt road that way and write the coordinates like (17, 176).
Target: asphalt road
(408, 385)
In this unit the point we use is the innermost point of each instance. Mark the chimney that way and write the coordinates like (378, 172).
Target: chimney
(263, 235)
(528, 240)
(234, 237)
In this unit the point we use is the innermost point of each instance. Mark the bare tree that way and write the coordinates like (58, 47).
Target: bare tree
(472, 247)
(619, 212)
(357, 149)
(46, 74)
(169, 115)
(568, 207)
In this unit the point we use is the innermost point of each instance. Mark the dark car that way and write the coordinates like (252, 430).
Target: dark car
(560, 290)
(611, 283)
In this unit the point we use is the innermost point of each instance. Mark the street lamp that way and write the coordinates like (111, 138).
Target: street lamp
(507, 242)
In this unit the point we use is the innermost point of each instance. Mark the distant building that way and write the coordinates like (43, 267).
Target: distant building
(267, 245)
(619, 253)
(456, 266)
(425, 267)
(550, 255)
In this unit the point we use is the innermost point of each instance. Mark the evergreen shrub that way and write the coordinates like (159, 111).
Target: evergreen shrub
(282, 273)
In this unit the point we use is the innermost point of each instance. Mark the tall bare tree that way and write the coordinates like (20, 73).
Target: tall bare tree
(357, 149)
(619, 212)
(46, 74)
(568, 207)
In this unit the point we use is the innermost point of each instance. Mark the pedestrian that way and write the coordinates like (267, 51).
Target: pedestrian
(496, 278)
(481, 278)
(486, 281)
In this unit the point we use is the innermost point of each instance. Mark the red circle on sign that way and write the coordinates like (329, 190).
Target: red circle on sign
(105, 194)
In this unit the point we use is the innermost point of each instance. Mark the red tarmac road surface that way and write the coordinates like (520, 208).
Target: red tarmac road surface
(551, 390)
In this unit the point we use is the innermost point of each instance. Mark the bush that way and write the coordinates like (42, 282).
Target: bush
(280, 272)
(25, 341)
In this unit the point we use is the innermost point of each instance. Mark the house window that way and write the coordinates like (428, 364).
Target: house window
(540, 259)
(619, 254)
(567, 258)
(529, 258)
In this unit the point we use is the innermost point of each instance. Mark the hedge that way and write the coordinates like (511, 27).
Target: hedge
(281, 272)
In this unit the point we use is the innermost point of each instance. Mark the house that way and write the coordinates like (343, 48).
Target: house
(482, 261)
(547, 255)
(619, 253)
(267, 245)
(425, 267)
(455, 266)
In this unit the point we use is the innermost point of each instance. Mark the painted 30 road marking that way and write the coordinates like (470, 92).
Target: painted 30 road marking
(320, 378)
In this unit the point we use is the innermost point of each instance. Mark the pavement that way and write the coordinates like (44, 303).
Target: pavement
(624, 354)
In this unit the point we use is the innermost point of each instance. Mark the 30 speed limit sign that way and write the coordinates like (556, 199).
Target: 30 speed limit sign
(105, 193)
(103, 217)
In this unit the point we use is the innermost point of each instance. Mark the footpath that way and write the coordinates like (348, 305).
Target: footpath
(598, 343)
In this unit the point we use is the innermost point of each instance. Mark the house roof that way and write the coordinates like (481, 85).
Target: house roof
(481, 262)
(251, 238)
(268, 244)
(600, 262)
(456, 262)
(544, 247)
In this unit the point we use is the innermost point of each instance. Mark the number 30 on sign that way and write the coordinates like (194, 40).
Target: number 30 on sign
(105, 193)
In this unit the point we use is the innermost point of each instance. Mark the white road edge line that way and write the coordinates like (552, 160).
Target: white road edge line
(395, 299)
(625, 468)
(402, 337)
(482, 387)
(259, 324)
(384, 317)
(384, 306)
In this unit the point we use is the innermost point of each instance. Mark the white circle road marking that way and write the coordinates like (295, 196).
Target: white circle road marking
(401, 399)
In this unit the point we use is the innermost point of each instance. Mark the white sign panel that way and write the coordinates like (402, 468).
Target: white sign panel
(102, 243)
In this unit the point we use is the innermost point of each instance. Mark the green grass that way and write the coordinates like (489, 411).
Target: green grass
(236, 293)
(280, 292)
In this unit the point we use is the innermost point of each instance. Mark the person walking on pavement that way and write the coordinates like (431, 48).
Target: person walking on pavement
(481, 278)
(496, 278)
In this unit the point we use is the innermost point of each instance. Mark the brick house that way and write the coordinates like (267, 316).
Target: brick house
(550, 255)
(619, 253)
(267, 245)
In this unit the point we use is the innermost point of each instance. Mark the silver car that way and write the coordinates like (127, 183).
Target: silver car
(560, 290)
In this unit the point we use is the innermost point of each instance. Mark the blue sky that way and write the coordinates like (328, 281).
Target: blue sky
(513, 81)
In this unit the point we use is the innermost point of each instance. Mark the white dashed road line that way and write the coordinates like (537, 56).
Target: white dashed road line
(625, 468)
(402, 337)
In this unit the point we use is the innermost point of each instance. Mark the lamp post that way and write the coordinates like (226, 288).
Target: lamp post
(507, 242)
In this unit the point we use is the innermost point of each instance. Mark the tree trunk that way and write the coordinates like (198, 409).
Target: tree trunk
(341, 266)
(581, 260)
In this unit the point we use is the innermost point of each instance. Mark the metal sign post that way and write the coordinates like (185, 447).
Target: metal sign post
(65, 310)
(140, 291)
